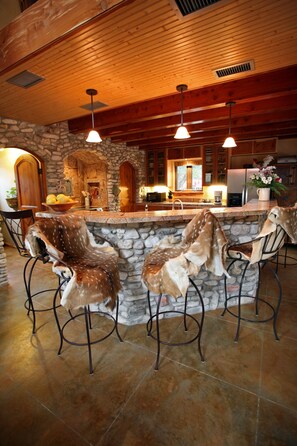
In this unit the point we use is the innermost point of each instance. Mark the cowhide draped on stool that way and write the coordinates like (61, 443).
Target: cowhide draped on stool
(168, 268)
(89, 271)
(281, 222)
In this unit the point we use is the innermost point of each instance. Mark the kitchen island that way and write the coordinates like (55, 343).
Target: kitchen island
(134, 234)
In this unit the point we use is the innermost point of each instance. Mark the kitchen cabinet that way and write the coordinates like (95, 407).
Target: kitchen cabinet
(247, 151)
(215, 165)
(288, 173)
(184, 153)
(156, 167)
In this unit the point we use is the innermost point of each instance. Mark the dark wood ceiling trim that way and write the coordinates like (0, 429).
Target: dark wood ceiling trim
(213, 125)
(254, 87)
(240, 133)
(286, 102)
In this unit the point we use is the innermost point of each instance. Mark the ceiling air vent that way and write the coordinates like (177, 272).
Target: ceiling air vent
(96, 105)
(235, 69)
(187, 7)
(25, 79)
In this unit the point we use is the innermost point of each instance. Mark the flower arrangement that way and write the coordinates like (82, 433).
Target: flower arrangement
(266, 177)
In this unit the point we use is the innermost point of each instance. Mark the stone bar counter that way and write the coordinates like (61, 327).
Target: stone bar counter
(134, 234)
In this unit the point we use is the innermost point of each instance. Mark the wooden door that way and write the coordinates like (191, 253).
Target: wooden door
(30, 182)
(127, 186)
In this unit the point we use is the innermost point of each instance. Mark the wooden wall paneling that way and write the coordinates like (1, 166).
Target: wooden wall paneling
(267, 146)
(175, 153)
(192, 152)
(243, 148)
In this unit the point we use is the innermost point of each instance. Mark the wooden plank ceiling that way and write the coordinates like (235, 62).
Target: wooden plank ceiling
(135, 52)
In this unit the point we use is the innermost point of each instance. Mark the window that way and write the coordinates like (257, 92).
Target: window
(188, 175)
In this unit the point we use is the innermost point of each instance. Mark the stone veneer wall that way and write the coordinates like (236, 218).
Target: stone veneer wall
(134, 241)
(3, 269)
(54, 143)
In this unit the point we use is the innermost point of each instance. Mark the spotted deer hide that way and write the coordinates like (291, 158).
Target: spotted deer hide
(93, 269)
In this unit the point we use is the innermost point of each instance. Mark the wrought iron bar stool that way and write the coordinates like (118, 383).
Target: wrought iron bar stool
(289, 199)
(260, 252)
(170, 268)
(89, 275)
(17, 223)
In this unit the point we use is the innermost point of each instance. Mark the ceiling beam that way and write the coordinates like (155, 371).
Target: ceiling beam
(286, 102)
(240, 133)
(254, 87)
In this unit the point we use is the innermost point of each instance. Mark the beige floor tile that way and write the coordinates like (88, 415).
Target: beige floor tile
(244, 394)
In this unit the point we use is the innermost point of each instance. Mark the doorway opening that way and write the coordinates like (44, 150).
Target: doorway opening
(85, 173)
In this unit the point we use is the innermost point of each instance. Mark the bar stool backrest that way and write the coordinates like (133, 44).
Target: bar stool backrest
(273, 242)
(17, 223)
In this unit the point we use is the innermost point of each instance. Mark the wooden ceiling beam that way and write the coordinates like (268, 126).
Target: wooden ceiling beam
(260, 86)
(222, 124)
(286, 103)
(244, 132)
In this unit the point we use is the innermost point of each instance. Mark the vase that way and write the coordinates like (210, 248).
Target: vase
(263, 194)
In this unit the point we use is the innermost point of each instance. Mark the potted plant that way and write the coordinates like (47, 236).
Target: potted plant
(12, 198)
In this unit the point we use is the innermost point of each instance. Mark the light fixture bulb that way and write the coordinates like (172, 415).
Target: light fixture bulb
(93, 136)
(182, 133)
(229, 143)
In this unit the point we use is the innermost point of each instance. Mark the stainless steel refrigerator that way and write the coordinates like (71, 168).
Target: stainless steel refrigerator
(238, 190)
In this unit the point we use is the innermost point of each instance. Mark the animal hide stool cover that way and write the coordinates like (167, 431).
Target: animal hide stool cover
(95, 268)
(286, 218)
(168, 266)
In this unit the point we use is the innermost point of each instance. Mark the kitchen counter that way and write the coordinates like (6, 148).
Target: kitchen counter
(253, 208)
(135, 234)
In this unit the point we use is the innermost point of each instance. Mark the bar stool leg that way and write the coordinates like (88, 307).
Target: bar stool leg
(158, 333)
(239, 302)
(27, 281)
(116, 320)
(202, 319)
(276, 310)
(87, 323)
(58, 293)
(150, 321)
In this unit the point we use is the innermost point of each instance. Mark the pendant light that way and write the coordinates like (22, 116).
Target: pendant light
(182, 132)
(93, 135)
(229, 141)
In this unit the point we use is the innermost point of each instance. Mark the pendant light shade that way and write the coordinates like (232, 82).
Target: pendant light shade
(229, 141)
(182, 132)
(93, 135)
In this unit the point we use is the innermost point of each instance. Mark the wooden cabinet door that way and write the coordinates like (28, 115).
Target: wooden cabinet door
(288, 173)
(156, 167)
(215, 165)
(29, 181)
(127, 186)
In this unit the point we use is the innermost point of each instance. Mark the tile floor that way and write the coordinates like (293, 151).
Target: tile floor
(244, 394)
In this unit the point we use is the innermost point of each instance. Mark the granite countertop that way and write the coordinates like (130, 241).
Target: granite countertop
(254, 207)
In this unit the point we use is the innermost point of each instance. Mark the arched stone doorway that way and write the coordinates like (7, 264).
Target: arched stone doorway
(85, 171)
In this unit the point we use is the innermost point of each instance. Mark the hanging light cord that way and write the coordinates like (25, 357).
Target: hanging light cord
(230, 119)
(182, 107)
(92, 107)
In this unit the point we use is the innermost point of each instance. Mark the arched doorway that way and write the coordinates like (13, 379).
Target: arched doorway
(127, 187)
(86, 172)
(30, 182)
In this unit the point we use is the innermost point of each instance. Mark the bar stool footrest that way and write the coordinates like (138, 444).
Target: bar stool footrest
(256, 320)
(174, 344)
